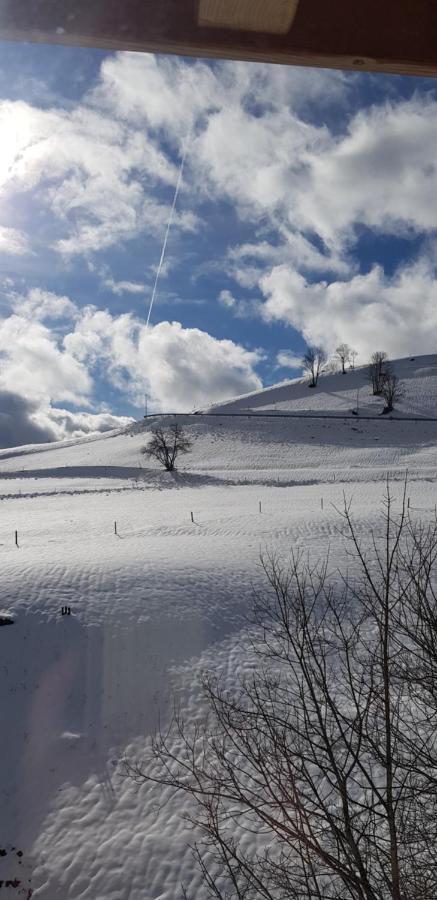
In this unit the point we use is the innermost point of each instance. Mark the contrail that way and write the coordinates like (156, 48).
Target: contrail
(170, 220)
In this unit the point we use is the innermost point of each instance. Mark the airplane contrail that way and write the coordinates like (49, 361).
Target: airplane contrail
(169, 223)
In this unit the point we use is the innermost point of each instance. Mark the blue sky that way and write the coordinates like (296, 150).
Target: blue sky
(306, 214)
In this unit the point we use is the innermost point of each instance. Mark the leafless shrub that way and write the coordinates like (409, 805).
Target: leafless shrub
(166, 445)
(328, 752)
(313, 362)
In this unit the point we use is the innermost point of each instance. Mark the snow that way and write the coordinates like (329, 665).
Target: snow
(154, 603)
(336, 394)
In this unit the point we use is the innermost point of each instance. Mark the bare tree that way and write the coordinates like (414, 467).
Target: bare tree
(352, 357)
(313, 362)
(343, 354)
(378, 370)
(166, 445)
(392, 391)
(328, 751)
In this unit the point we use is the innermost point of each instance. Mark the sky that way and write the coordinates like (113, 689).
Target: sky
(306, 214)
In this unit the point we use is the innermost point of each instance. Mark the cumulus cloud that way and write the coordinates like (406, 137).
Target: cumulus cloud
(26, 421)
(40, 305)
(67, 424)
(34, 365)
(18, 421)
(382, 173)
(180, 367)
(52, 352)
(370, 311)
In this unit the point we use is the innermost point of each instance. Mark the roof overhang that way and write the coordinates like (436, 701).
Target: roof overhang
(397, 36)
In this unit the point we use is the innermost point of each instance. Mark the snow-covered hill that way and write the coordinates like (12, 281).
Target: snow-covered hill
(338, 394)
(157, 599)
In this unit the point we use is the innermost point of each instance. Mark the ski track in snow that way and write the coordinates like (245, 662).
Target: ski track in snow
(151, 606)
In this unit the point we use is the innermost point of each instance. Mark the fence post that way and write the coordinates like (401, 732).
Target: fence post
(260, 506)
(115, 527)
(192, 518)
(16, 538)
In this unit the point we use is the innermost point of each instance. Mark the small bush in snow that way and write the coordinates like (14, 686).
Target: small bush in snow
(166, 444)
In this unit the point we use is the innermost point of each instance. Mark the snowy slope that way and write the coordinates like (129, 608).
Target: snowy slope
(336, 394)
(153, 604)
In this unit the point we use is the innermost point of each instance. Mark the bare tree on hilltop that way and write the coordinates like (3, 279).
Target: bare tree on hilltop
(343, 353)
(326, 751)
(352, 357)
(378, 370)
(392, 391)
(313, 362)
(166, 445)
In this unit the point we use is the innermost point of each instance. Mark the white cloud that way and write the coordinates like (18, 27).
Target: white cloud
(288, 360)
(162, 92)
(257, 162)
(227, 299)
(95, 174)
(368, 311)
(180, 367)
(66, 424)
(173, 95)
(33, 365)
(381, 173)
(101, 168)
(26, 421)
(39, 305)
(242, 309)
(18, 424)
(247, 263)
(97, 165)
(124, 287)
(13, 242)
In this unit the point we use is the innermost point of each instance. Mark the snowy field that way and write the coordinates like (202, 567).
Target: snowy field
(154, 603)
